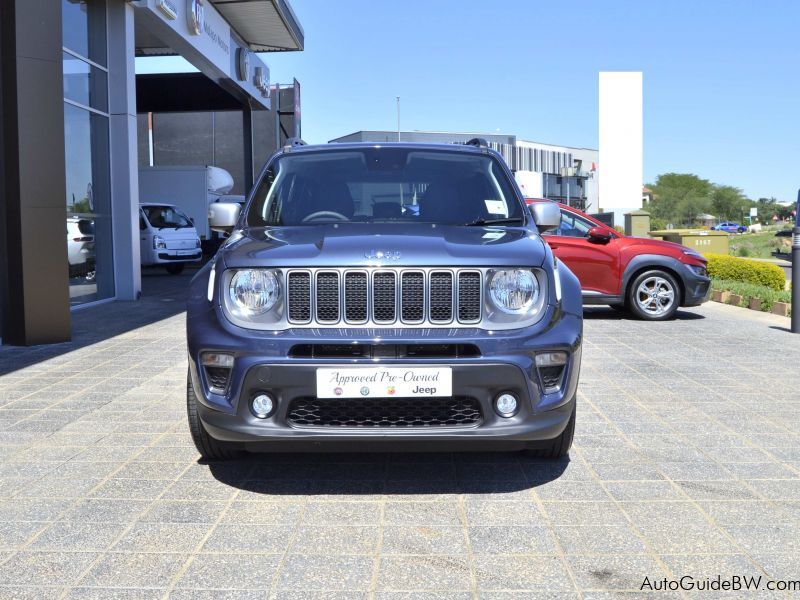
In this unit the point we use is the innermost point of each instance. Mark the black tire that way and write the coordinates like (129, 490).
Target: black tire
(208, 447)
(665, 281)
(175, 268)
(558, 447)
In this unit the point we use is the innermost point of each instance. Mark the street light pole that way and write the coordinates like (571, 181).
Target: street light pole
(796, 269)
(398, 118)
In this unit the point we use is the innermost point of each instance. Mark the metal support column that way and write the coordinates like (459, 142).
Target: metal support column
(247, 135)
(796, 269)
(33, 207)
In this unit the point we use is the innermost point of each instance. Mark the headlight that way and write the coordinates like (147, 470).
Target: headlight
(254, 291)
(698, 270)
(197, 243)
(514, 291)
(158, 242)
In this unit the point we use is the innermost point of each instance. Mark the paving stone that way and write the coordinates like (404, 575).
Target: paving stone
(488, 512)
(422, 513)
(325, 573)
(511, 540)
(45, 568)
(134, 570)
(248, 538)
(604, 573)
(101, 510)
(163, 537)
(423, 539)
(353, 513)
(521, 573)
(77, 535)
(335, 539)
(118, 465)
(432, 572)
(230, 572)
(183, 511)
(599, 540)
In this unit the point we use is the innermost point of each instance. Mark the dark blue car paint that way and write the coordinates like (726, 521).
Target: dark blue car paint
(226, 417)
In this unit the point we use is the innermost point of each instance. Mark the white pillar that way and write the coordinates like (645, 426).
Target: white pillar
(124, 153)
(620, 170)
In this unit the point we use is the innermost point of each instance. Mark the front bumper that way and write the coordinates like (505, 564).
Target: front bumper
(170, 256)
(696, 289)
(505, 363)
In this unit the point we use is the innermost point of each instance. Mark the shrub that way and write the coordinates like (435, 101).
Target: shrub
(743, 270)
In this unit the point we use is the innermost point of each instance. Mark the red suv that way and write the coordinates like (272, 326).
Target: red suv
(651, 278)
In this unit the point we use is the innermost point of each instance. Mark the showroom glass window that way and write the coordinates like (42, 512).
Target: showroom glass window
(86, 144)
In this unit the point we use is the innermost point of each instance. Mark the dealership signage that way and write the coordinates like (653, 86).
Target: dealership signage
(198, 32)
(199, 24)
(243, 64)
(168, 8)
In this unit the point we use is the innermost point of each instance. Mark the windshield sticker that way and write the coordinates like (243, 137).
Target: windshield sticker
(495, 207)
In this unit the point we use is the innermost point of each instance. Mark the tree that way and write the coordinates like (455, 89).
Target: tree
(680, 197)
(729, 203)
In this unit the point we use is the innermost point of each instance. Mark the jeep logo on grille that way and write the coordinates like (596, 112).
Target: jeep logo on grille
(381, 254)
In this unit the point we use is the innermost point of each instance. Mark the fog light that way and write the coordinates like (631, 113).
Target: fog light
(213, 359)
(506, 405)
(551, 359)
(551, 367)
(262, 406)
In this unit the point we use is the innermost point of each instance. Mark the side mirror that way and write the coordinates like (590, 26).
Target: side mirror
(223, 216)
(598, 235)
(546, 215)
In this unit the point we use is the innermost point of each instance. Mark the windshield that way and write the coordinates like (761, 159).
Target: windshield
(162, 217)
(380, 185)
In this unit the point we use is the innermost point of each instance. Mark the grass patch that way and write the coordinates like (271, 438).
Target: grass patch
(767, 295)
(758, 245)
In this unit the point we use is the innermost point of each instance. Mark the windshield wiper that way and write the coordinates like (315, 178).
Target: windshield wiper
(481, 221)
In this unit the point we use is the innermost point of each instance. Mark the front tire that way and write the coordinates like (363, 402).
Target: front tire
(558, 447)
(654, 296)
(208, 447)
(175, 268)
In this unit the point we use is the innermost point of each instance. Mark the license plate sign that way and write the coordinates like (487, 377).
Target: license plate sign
(384, 382)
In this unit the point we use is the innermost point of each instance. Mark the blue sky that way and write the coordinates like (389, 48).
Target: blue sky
(721, 79)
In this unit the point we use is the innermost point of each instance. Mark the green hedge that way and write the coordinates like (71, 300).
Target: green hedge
(732, 268)
(767, 295)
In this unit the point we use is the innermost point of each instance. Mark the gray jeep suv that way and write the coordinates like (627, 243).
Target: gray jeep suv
(384, 297)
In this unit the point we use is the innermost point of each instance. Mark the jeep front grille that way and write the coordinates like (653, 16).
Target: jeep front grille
(384, 296)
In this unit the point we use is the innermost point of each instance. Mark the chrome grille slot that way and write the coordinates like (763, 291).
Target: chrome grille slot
(440, 299)
(384, 296)
(333, 296)
(327, 296)
(355, 297)
(469, 296)
(299, 296)
(412, 296)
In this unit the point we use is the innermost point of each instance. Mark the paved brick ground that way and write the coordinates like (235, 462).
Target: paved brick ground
(686, 462)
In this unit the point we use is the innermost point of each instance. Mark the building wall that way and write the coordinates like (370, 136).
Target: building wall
(621, 142)
(520, 155)
(214, 138)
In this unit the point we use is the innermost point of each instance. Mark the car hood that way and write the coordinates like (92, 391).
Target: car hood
(354, 245)
(669, 248)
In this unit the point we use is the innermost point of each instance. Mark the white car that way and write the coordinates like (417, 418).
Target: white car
(168, 237)
(80, 247)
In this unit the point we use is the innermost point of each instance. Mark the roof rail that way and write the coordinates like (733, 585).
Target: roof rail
(478, 142)
(293, 142)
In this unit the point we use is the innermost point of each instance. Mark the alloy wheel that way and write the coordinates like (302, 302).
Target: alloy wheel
(655, 296)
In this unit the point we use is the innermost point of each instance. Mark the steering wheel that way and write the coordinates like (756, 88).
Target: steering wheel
(325, 213)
